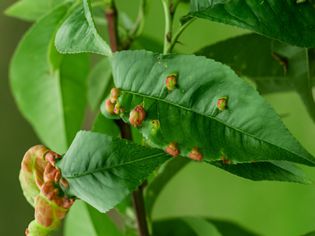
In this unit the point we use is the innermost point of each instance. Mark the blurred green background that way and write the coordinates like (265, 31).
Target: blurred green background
(268, 208)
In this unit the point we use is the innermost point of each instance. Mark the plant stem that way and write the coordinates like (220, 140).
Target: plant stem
(111, 17)
(168, 25)
(178, 34)
(138, 202)
(125, 131)
(169, 8)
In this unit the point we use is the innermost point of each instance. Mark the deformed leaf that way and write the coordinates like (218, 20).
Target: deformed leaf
(102, 170)
(285, 20)
(246, 130)
(31, 10)
(49, 93)
(78, 34)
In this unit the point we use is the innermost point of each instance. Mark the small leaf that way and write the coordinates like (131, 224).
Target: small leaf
(49, 93)
(268, 17)
(83, 219)
(281, 67)
(78, 34)
(100, 81)
(195, 226)
(31, 10)
(247, 130)
(273, 170)
(102, 170)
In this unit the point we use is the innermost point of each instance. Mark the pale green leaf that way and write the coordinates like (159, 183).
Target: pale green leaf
(48, 91)
(84, 220)
(78, 34)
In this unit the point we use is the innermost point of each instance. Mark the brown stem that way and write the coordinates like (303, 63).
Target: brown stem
(111, 16)
(125, 131)
(138, 202)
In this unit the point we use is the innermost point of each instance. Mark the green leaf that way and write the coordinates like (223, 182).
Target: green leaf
(105, 126)
(78, 34)
(281, 67)
(247, 130)
(85, 220)
(49, 93)
(102, 170)
(165, 174)
(31, 10)
(273, 170)
(100, 81)
(285, 20)
(310, 234)
(195, 226)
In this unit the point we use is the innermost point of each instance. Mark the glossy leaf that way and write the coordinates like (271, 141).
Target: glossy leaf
(247, 130)
(194, 226)
(102, 170)
(285, 20)
(85, 220)
(78, 34)
(273, 170)
(31, 10)
(281, 67)
(49, 93)
(100, 81)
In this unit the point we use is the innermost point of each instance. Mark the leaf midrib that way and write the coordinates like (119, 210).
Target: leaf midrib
(213, 118)
(78, 175)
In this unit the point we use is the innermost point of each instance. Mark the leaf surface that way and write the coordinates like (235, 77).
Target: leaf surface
(83, 219)
(49, 93)
(78, 34)
(247, 130)
(102, 170)
(285, 20)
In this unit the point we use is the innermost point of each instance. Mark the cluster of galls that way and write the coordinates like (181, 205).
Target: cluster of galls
(42, 185)
(112, 105)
